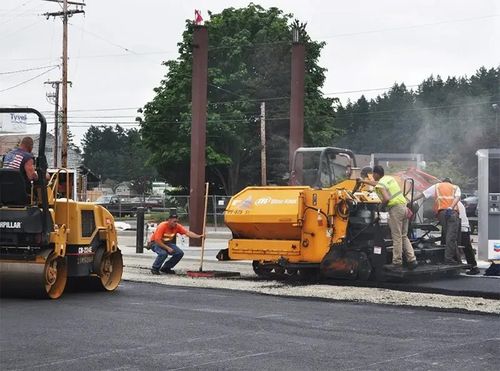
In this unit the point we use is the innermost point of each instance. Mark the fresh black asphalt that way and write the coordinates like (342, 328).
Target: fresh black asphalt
(145, 326)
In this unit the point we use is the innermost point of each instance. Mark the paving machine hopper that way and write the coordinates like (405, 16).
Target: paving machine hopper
(327, 223)
(47, 238)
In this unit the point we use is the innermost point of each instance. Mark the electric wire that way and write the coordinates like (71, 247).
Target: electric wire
(257, 113)
(28, 69)
(30, 79)
(411, 26)
(75, 123)
(273, 43)
(128, 50)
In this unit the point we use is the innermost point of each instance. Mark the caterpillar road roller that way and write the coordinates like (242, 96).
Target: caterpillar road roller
(47, 238)
(325, 223)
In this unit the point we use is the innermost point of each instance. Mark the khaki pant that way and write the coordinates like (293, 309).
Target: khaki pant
(398, 223)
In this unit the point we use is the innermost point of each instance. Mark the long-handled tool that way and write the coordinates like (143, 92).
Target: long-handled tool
(200, 272)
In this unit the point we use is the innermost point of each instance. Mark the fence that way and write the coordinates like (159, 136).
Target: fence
(123, 206)
(216, 205)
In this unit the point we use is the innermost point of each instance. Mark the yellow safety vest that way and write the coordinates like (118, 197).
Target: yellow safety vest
(392, 187)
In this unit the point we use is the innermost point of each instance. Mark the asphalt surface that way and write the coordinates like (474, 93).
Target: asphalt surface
(148, 327)
(462, 285)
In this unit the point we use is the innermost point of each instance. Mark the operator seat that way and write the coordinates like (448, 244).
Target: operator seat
(310, 177)
(12, 188)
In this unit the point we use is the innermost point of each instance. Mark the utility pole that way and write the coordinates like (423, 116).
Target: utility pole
(297, 93)
(55, 85)
(198, 131)
(263, 169)
(65, 14)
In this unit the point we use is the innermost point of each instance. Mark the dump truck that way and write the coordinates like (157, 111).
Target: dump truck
(47, 238)
(325, 223)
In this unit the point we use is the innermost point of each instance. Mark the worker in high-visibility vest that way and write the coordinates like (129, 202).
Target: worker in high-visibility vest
(392, 197)
(446, 197)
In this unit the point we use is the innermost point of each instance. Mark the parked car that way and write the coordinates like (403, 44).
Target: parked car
(154, 203)
(149, 203)
(118, 206)
(470, 204)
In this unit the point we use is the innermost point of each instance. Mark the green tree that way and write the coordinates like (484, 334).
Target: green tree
(249, 62)
(118, 155)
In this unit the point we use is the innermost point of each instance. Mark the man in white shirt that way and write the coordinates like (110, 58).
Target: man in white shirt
(465, 240)
(446, 197)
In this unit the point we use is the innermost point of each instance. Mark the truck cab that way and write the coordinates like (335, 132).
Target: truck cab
(322, 167)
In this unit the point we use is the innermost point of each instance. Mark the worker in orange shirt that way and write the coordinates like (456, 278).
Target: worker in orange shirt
(446, 197)
(162, 242)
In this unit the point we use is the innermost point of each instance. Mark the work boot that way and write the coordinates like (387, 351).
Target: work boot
(473, 271)
(156, 272)
(167, 271)
(393, 266)
(412, 265)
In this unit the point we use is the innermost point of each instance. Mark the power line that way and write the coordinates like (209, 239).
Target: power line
(20, 14)
(410, 26)
(110, 109)
(255, 117)
(130, 126)
(245, 101)
(19, 6)
(422, 108)
(367, 90)
(103, 39)
(170, 106)
(7, 34)
(26, 81)
(271, 43)
(16, 15)
(321, 38)
(101, 109)
(28, 69)
(94, 56)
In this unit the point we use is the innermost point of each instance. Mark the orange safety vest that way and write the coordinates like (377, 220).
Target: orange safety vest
(445, 194)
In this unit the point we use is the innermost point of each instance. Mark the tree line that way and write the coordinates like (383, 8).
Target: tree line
(117, 155)
(445, 120)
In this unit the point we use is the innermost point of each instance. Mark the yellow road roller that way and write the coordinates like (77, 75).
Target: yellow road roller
(47, 238)
(325, 223)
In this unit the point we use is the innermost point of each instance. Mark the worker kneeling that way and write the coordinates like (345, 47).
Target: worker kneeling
(390, 194)
(162, 242)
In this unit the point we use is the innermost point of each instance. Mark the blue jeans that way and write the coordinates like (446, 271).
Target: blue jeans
(162, 255)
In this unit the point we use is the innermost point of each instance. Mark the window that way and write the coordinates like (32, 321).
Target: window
(88, 223)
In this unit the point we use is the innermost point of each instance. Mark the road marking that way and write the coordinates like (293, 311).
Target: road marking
(227, 360)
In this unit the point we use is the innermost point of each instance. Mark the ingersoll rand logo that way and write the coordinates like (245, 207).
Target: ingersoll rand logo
(275, 201)
(11, 225)
(263, 201)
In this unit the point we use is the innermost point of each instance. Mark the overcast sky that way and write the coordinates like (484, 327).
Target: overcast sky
(117, 47)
